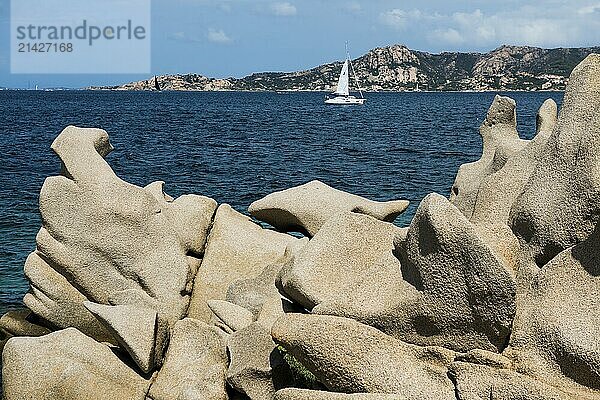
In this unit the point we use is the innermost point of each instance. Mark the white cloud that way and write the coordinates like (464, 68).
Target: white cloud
(283, 9)
(226, 7)
(560, 25)
(183, 37)
(218, 36)
(591, 9)
(449, 35)
(178, 36)
(395, 18)
(518, 27)
(399, 19)
(353, 6)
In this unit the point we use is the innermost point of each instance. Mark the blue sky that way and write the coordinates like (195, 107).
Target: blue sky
(222, 38)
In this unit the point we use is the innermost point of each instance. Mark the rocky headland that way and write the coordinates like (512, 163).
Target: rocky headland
(398, 68)
(490, 293)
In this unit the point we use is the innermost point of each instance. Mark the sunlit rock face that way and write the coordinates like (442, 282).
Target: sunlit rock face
(67, 365)
(307, 207)
(500, 142)
(561, 202)
(111, 242)
(436, 283)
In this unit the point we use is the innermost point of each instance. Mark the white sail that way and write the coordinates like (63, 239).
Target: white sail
(342, 87)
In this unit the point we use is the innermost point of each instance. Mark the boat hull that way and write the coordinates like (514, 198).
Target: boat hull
(343, 100)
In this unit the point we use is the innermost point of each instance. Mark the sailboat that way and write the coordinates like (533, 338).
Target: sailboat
(342, 93)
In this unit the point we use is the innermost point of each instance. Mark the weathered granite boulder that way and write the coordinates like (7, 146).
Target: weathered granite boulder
(477, 382)
(195, 364)
(4, 336)
(307, 207)
(560, 204)
(53, 298)
(133, 327)
(237, 248)
(546, 118)
(232, 316)
(466, 291)
(260, 295)
(117, 243)
(499, 191)
(449, 288)
(347, 252)
(18, 323)
(252, 293)
(500, 141)
(306, 394)
(67, 365)
(347, 356)
(557, 326)
(257, 369)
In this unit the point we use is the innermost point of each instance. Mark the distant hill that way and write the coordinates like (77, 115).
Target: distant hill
(397, 68)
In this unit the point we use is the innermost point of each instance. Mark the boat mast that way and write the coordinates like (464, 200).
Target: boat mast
(353, 71)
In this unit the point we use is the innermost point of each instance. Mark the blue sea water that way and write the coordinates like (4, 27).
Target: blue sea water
(238, 147)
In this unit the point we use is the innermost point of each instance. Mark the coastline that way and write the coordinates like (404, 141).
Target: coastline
(88, 89)
(236, 292)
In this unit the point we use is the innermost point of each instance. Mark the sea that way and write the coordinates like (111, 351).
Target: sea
(238, 147)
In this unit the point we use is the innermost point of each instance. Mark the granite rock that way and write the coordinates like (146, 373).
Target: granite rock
(261, 296)
(448, 288)
(237, 248)
(18, 323)
(134, 328)
(307, 207)
(252, 293)
(556, 329)
(67, 365)
(346, 253)
(560, 204)
(347, 356)
(257, 369)
(115, 242)
(232, 316)
(306, 394)
(467, 292)
(546, 118)
(499, 191)
(195, 364)
(500, 141)
(53, 298)
(477, 382)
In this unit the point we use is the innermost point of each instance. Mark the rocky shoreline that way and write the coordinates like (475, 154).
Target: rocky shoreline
(492, 293)
(397, 68)
(325, 91)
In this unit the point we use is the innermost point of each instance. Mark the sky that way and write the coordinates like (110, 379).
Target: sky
(223, 38)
